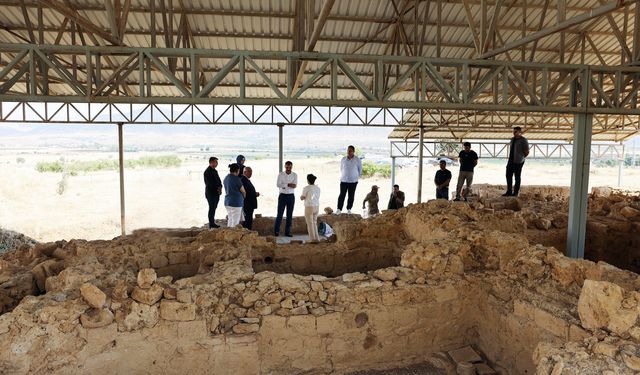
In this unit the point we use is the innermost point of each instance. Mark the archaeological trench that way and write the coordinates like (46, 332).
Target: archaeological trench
(485, 279)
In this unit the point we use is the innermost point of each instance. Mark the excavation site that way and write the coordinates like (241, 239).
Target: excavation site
(450, 287)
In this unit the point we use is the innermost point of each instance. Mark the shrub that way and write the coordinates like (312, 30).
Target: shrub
(75, 167)
(370, 169)
(54, 166)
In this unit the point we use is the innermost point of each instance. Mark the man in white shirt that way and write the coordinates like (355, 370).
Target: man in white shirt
(287, 182)
(350, 171)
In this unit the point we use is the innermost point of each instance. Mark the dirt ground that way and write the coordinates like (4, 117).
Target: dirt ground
(89, 207)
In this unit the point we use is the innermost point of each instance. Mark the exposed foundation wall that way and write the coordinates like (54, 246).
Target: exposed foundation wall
(460, 282)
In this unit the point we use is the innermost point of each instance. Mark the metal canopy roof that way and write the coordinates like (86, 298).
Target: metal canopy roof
(555, 58)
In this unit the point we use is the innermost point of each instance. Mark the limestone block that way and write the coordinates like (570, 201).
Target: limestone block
(484, 369)
(42, 271)
(551, 323)
(445, 294)
(632, 361)
(173, 310)
(300, 310)
(214, 323)
(244, 328)
(287, 303)
(605, 349)
(318, 311)
(248, 299)
(465, 368)
(92, 295)
(146, 277)
(120, 291)
(291, 283)
(353, 277)
(139, 316)
(385, 274)
(560, 221)
(629, 212)
(542, 223)
(577, 333)
(159, 260)
(96, 318)
(184, 296)
(170, 293)
(466, 354)
(316, 286)
(178, 258)
(147, 296)
(262, 307)
(601, 306)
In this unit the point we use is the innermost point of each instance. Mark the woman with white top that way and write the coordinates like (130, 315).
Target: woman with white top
(234, 198)
(311, 197)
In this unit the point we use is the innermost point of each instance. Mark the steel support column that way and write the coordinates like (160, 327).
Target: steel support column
(578, 198)
(621, 167)
(121, 168)
(280, 147)
(393, 171)
(420, 155)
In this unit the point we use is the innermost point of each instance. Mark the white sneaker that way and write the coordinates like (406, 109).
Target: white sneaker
(349, 212)
(338, 212)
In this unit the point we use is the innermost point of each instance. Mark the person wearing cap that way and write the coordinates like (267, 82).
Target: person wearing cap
(468, 160)
(442, 179)
(287, 182)
(396, 200)
(350, 171)
(212, 190)
(518, 151)
(250, 200)
(234, 197)
(311, 197)
(240, 161)
(373, 200)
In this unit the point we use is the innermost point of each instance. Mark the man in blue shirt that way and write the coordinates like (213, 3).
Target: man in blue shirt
(468, 160)
(350, 171)
(518, 151)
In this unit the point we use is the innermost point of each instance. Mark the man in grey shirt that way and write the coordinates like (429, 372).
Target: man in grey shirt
(518, 151)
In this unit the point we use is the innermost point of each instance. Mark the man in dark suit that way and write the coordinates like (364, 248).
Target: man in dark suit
(250, 201)
(213, 189)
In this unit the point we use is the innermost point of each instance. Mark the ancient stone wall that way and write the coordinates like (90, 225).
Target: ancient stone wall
(392, 290)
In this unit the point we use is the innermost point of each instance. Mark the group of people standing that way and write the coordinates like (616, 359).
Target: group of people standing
(518, 151)
(241, 196)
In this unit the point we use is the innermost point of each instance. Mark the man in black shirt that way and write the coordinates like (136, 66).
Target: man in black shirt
(251, 199)
(213, 189)
(468, 160)
(397, 199)
(443, 177)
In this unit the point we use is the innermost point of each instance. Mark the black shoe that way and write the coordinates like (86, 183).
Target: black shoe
(214, 226)
(288, 235)
(507, 194)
